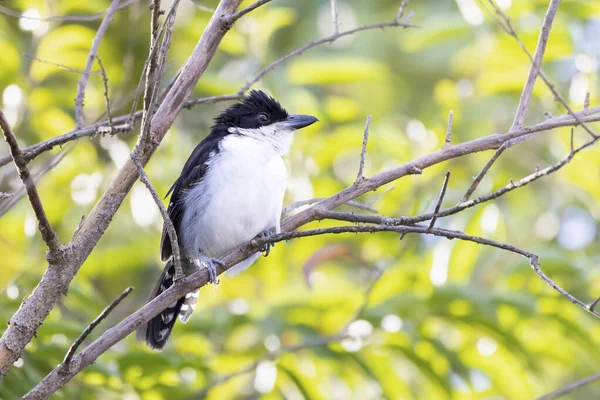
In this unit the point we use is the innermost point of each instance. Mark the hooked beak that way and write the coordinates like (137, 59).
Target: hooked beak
(298, 121)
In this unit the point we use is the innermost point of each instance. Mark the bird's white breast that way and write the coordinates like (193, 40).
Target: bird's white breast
(240, 196)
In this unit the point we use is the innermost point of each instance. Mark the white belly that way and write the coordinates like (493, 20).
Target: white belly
(240, 197)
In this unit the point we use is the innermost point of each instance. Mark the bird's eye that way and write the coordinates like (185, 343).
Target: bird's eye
(263, 118)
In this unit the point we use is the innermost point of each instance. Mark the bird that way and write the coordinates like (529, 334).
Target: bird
(229, 191)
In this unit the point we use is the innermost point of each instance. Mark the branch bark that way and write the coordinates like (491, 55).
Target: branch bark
(44, 227)
(90, 61)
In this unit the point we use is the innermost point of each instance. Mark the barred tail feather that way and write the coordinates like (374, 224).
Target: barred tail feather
(157, 331)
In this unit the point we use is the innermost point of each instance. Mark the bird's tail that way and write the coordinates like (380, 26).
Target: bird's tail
(157, 331)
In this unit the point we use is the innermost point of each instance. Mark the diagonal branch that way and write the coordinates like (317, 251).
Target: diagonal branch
(505, 24)
(44, 226)
(535, 65)
(90, 61)
(363, 153)
(63, 18)
(86, 332)
(571, 387)
(397, 22)
(440, 200)
(534, 71)
(234, 17)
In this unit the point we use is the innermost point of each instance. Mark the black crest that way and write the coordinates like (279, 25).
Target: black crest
(256, 110)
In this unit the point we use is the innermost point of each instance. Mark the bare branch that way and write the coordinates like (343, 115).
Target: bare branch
(396, 22)
(106, 98)
(571, 387)
(535, 66)
(334, 16)
(440, 200)
(308, 202)
(448, 139)
(63, 18)
(234, 17)
(586, 102)
(86, 332)
(66, 67)
(363, 153)
(90, 61)
(163, 211)
(484, 171)
(504, 23)
(44, 226)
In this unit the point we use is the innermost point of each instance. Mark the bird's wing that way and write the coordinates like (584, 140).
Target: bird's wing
(193, 172)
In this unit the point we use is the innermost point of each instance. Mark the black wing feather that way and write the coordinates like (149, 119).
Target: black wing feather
(192, 173)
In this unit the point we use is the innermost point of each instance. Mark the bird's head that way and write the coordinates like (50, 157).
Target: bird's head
(261, 117)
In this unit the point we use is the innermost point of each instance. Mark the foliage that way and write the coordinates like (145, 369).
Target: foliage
(447, 319)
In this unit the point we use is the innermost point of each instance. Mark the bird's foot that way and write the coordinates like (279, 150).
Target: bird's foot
(267, 246)
(211, 265)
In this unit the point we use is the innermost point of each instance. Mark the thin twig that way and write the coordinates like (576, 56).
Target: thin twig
(535, 65)
(440, 200)
(86, 332)
(151, 81)
(504, 23)
(363, 152)
(169, 227)
(90, 61)
(66, 67)
(234, 17)
(352, 203)
(586, 102)
(484, 171)
(448, 139)
(534, 71)
(44, 226)
(63, 18)
(106, 98)
(202, 7)
(571, 387)
(334, 16)
(396, 22)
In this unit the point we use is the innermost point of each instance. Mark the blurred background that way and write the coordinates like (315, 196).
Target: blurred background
(446, 320)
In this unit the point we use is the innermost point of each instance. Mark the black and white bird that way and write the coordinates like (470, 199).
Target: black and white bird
(230, 190)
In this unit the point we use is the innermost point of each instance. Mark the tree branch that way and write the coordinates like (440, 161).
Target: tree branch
(440, 200)
(535, 65)
(86, 332)
(90, 61)
(571, 387)
(44, 226)
(363, 153)
(63, 18)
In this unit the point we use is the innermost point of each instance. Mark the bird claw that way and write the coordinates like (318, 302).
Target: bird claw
(209, 264)
(267, 246)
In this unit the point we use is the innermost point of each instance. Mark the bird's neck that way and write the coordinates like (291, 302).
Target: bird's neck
(279, 140)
